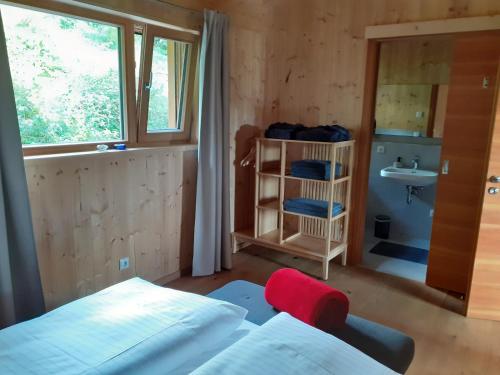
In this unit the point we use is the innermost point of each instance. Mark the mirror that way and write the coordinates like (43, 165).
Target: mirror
(413, 87)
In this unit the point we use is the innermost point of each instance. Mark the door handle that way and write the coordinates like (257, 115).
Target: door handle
(495, 179)
(493, 190)
(445, 167)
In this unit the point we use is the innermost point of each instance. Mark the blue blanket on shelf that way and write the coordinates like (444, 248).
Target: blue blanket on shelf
(314, 169)
(326, 133)
(312, 207)
(283, 130)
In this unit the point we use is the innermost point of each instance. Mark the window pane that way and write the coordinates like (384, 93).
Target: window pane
(66, 76)
(168, 80)
(137, 54)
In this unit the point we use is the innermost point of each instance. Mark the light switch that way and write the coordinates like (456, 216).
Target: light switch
(380, 149)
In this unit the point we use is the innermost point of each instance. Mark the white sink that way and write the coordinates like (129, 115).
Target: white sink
(408, 176)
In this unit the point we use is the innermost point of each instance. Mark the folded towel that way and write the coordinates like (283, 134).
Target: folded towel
(312, 207)
(283, 130)
(307, 299)
(314, 169)
(326, 133)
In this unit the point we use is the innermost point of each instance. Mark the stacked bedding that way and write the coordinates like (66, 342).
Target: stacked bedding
(283, 130)
(324, 133)
(312, 207)
(314, 169)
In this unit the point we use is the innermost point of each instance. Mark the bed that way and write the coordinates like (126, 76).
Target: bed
(135, 327)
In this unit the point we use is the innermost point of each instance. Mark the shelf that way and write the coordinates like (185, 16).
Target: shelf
(336, 181)
(272, 183)
(276, 173)
(275, 206)
(270, 173)
(336, 217)
(337, 144)
(300, 244)
(270, 205)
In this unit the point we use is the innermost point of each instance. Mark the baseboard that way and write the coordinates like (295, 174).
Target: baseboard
(166, 279)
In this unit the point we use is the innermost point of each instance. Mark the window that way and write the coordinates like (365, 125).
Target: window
(74, 79)
(168, 73)
(62, 94)
(137, 60)
(165, 90)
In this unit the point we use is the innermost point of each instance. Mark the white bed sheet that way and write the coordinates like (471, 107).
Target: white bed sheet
(131, 327)
(285, 345)
(200, 358)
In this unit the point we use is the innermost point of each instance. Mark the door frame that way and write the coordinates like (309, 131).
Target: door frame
(374, 36)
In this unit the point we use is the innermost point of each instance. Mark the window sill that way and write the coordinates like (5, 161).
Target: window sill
(128, 152)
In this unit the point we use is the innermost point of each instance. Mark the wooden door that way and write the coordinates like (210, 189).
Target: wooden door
(484, 292)
(466, 138)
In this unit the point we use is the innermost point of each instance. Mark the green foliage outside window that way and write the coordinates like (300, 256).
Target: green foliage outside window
(66, 76)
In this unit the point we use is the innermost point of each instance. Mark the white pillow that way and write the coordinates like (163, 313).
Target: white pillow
(285, 345)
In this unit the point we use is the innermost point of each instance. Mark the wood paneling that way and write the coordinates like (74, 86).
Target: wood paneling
(397, 106)
(484, 292)
(409, 72)
(164, 12)
(304, 61)
(440, 114)
(415, 61)
(465, 145)
(91, 210)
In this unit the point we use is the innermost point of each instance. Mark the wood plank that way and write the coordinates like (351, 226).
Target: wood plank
(435, 27)
(89, 212)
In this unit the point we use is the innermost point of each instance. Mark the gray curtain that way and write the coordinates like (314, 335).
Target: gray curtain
(21, 295)
(212, 245)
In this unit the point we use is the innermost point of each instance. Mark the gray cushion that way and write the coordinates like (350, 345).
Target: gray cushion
(388, 346)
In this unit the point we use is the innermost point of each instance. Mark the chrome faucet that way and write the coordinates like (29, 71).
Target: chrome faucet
(415, 162)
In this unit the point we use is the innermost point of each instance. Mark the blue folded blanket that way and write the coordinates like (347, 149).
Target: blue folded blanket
(314, 169)
(312, 207)
(326, 133)
(283, 130)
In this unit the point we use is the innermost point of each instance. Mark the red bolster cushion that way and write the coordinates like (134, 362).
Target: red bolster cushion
(307, 299)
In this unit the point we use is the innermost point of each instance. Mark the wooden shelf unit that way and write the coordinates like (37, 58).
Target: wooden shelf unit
(312, 237)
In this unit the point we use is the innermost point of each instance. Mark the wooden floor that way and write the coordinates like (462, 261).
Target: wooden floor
(446, 342)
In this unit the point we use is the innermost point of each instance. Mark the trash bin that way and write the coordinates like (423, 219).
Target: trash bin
(382, 226)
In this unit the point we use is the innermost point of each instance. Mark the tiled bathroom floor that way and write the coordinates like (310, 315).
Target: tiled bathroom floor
(394, 266)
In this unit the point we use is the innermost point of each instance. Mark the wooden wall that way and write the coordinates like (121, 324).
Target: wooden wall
(408, 69)
(304, 61)
(416, 61)
(89, 211)
(397, 106)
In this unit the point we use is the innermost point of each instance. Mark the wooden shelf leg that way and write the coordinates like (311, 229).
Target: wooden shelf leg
(324, 274)
(344, 257)
(235, 244)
